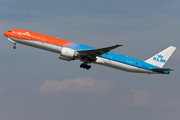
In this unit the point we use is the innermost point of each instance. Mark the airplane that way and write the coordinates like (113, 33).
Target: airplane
(69, 51)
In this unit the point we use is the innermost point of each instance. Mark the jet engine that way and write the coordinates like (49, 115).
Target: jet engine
(67, 54)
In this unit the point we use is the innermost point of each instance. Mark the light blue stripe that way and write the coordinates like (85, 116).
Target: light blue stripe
(121, 59)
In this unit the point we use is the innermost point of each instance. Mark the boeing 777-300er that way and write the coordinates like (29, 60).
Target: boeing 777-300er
(71, 51)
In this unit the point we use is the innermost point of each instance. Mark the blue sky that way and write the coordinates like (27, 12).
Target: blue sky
(35, 84)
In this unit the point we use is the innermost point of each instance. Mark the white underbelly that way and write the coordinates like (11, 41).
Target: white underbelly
(120, 66)
(38, 44)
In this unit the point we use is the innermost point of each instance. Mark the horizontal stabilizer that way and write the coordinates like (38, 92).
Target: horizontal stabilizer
(161, 69)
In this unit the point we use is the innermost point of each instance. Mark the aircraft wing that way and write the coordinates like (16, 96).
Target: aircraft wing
(97, 52)
(90, 55)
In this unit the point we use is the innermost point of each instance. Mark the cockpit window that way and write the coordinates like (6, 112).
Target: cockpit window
(9, 31)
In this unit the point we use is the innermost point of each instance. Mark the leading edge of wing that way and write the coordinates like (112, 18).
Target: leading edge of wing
(98, 51)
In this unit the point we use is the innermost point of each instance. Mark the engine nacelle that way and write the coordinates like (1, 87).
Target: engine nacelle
(68, 53)
(64, 58)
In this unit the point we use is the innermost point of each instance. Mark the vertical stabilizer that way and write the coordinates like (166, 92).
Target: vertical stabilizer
(161, 58)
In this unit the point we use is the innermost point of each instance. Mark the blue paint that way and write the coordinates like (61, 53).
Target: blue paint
(159, 58)
(124, 59)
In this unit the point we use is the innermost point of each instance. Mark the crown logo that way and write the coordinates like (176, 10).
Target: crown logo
(160, 56)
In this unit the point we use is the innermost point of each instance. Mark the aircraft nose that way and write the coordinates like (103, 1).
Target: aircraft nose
(6, 33)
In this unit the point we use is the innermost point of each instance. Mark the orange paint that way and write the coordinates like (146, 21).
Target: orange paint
(28, 35)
